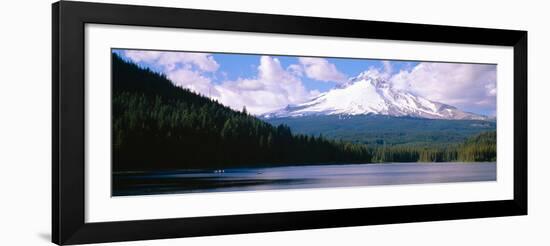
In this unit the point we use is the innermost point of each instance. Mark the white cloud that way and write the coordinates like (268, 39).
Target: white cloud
(491, 89)
(192, 80)
(322, 70)
(470, 87)
(170, 61)
(388, 68)
(296, 70)
(273, 89)
(184, 69)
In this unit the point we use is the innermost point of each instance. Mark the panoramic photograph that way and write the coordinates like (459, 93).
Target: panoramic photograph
(195, 122)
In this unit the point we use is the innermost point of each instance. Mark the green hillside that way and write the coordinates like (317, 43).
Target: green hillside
(157, 125)
(376, 130)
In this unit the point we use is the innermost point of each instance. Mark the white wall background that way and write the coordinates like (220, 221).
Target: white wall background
(25, 102)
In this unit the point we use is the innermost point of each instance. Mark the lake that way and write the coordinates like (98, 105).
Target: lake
(298, 177)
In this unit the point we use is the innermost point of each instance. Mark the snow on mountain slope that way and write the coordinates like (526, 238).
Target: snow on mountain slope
(364, 95)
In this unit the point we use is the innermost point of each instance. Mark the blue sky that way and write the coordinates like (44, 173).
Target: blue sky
(265, 83)
(245, 66)
(235, 66)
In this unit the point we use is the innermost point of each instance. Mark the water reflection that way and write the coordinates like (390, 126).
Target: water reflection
(293, 177)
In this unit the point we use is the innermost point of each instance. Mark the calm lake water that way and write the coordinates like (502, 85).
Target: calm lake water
(299, 177)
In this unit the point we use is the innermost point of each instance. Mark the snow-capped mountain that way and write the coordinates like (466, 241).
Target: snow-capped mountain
(364, 95)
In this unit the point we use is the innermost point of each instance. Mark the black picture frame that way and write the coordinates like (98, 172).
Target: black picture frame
(68, 122)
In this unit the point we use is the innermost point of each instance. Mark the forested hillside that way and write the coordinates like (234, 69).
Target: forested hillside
(480, 147)
(377, 130)
(158, 126)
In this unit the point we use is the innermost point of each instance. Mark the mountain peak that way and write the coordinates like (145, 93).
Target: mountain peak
(371, 93)
(374, 78)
